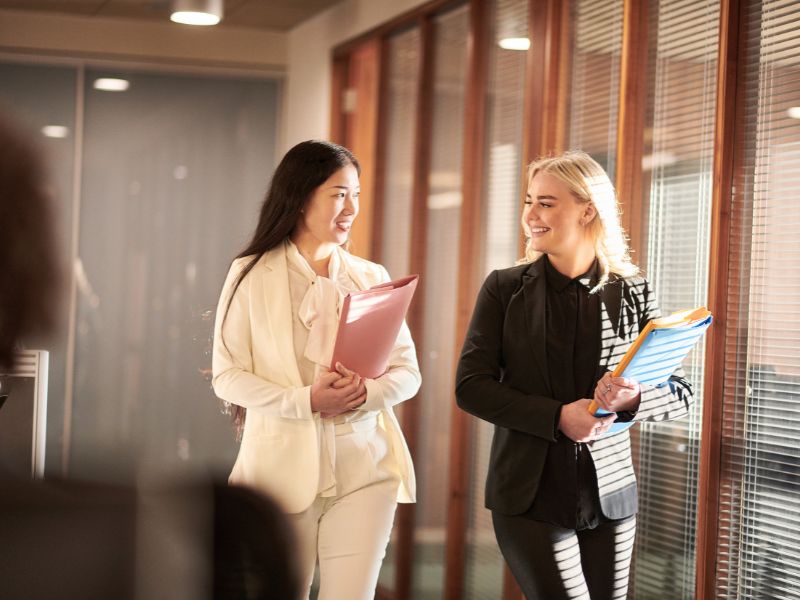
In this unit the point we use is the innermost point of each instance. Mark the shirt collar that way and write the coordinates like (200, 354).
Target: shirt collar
(559, 282)
(300, 264)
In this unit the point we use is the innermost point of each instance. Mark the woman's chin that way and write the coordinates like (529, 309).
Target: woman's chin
(340, 237)
(542, 248)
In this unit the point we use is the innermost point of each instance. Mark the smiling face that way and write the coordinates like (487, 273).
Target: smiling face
(554, 218)
(329, 213)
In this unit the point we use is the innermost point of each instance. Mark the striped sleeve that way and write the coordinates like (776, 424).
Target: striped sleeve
(672, 399)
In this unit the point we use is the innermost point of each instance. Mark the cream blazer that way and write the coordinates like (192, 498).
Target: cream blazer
(256, 368)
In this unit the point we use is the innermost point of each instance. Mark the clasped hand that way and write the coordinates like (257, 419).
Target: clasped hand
(579, 425)
(336, 392)
(617, 394)
(614, 394)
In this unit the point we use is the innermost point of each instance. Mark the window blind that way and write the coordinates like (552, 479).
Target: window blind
(403, 71)
(678, 164)
(758, 548)
(501, 230)
(594, 89)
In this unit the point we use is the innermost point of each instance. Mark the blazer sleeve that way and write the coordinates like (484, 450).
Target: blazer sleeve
(672, 399)
(480, 389)
(402, 378)
(233, 378)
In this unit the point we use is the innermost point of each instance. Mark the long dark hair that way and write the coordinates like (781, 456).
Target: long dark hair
(301, 171)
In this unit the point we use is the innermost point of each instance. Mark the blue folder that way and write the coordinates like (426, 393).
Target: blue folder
(657, 352)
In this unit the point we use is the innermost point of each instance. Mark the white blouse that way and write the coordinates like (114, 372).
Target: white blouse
(316, 302)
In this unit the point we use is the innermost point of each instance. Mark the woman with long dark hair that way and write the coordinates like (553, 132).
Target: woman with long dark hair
(319, 438)
(544, 338)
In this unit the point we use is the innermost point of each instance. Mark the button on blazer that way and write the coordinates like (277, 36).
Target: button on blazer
(502, 378)
(256, 368)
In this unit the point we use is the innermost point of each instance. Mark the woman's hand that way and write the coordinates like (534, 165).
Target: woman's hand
(337, 392)
(617, 394)
(579, 425)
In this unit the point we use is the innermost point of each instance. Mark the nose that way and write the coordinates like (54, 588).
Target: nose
(351, 204)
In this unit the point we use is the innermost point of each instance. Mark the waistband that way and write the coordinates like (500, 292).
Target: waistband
(366, 424)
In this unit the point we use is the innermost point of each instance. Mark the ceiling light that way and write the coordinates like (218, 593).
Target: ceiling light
(55, 131)
(111, 84)
(196, 12)
(515, 43)
(794, 112)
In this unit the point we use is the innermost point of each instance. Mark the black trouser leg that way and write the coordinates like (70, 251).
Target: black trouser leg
(554, 563)
(606, 558)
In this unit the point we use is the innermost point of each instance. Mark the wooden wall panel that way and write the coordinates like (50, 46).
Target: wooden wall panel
(361, 109)
(630, 124)
(419, 232)
(470, 245)
(718, 291)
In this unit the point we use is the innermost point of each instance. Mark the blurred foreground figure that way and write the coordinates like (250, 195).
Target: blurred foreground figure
(67, 539)
(28, 268)
(194, 541)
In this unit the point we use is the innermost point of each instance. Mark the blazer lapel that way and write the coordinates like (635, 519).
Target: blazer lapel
(610, 315)
(278, 308)
(534, 290)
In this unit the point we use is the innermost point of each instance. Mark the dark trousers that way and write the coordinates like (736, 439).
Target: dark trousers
(553, 563)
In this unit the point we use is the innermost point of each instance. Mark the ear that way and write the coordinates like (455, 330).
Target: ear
(589, 214)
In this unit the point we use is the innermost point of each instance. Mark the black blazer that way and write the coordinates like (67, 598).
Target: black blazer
(502, 378)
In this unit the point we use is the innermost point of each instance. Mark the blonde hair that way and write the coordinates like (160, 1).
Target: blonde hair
(588, 182)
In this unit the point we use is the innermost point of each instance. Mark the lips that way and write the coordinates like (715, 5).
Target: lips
(344, 225)
(539, 230)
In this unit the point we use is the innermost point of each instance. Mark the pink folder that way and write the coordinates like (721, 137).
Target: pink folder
(369, 325)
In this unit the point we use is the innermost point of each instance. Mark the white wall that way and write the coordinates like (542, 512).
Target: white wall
(310, 45)
(95, 38)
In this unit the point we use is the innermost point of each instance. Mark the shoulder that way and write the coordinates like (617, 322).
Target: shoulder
(636, 285)
(239, 264)
(501, 284)
(511, 274)
(249, 266)
(638, 292)
(510, 279)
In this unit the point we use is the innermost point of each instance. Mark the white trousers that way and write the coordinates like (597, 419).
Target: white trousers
(347, 534)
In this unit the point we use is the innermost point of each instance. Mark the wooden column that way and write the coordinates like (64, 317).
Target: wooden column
(718, 292)
(630, 123)
(339, 84)
(472, 183)
(381, 145)
(545, 106)
(360, 104)
(419, 234)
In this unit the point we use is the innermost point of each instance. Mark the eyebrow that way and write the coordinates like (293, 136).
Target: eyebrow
(344, 187)
(543, 197)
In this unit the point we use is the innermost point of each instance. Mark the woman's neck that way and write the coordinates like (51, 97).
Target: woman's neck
(316, 253)
(575, 263)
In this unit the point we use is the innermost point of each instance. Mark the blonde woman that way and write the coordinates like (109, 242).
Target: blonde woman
(543, 339)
